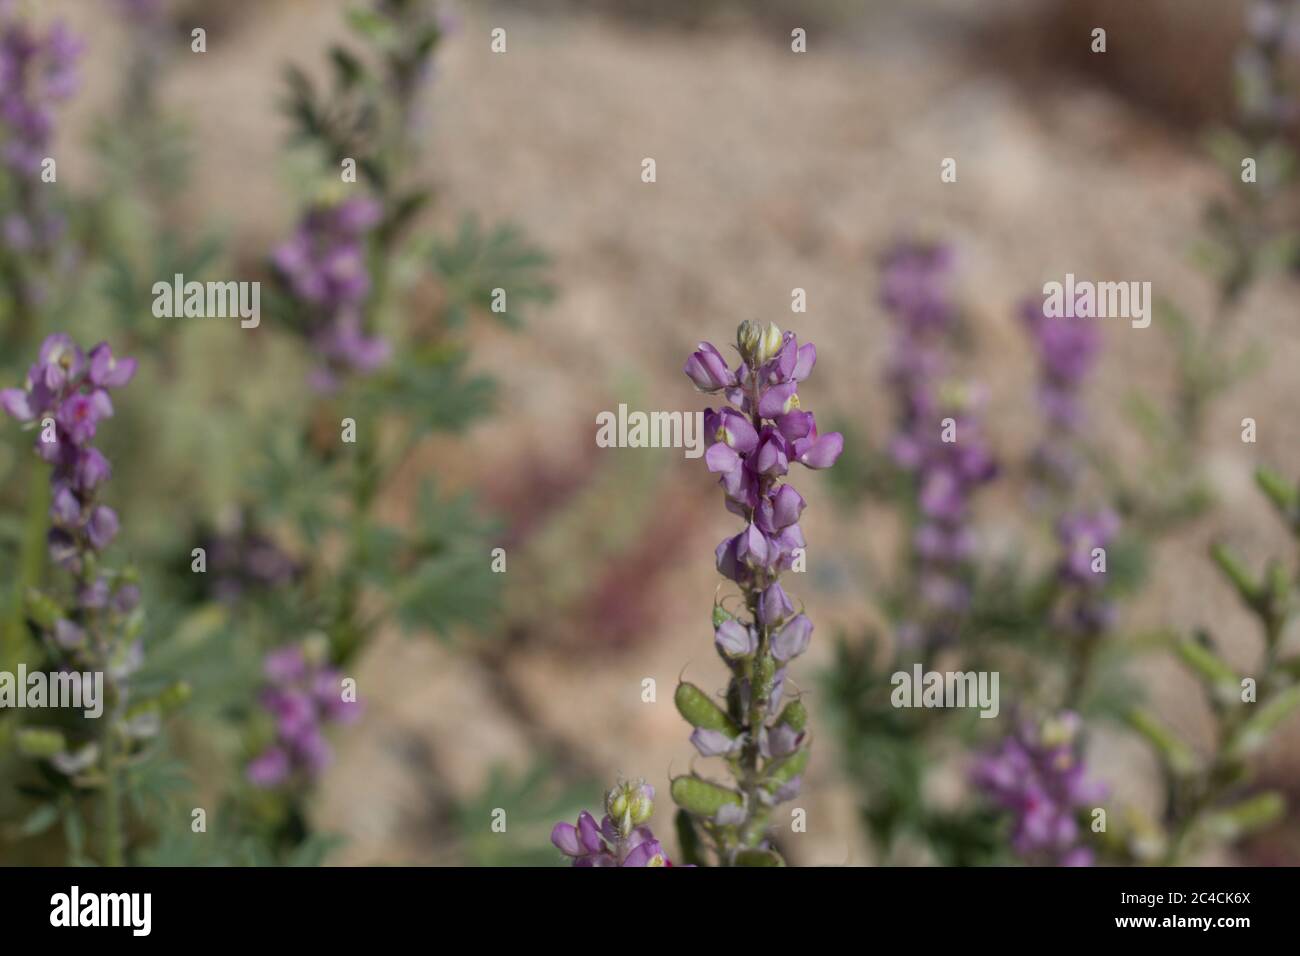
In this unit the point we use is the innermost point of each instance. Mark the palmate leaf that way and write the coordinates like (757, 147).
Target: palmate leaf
(476, 261)
(291, 484)
(433, 391)
(445, 578)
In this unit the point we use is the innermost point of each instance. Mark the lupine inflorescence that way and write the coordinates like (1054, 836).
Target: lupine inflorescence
(66, 396)
(938, 437)
(324, 265)
(757, 436)
(1038, 774)
(37, 71)
(96, 627)
(302, 694)
(1067, 351)
(621, 838)
(1084, 537)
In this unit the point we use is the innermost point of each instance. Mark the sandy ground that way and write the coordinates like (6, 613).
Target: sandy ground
(775, 171)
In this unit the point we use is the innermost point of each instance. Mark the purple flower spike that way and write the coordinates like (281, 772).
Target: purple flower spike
(302, 695)
(1038, 776)
(938, 441)
(757, 438)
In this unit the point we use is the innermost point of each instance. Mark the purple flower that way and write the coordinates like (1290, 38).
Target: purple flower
(621, 838)
(66, 386)
(1084, 537)
(1038, 775)
(916, 286)
(269, 769)
(761, 433)
(302, 694)
(1067, 351)
(774, 605)
(792, 639)
(708, 369)
(734, 639)
(938, 439)
(324, 266)
(102, 527)
(106, 371)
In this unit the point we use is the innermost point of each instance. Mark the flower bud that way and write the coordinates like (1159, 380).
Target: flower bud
(630, 804)
(758, 345)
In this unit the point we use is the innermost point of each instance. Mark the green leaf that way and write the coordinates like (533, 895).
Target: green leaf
(39, 820)
(1247, 817)
(1254, 733)
(1283, 494)
(1222, 681)
(476, 262)
(1248, 589)
(1177, 756)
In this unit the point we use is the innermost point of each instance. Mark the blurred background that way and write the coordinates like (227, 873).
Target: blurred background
(774, 171)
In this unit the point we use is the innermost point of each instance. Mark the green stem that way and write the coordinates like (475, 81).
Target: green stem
(112, 820)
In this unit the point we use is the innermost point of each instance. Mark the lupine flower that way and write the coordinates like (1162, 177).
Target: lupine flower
(757, 437)
(916, 290)
(1067, 351)
(1088, 610)
(621, 838)
(1038, 775)
(324, 266)
(37, 71)
(302, 695)
(66, 397)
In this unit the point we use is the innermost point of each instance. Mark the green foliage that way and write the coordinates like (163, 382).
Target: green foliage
(476, 261)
